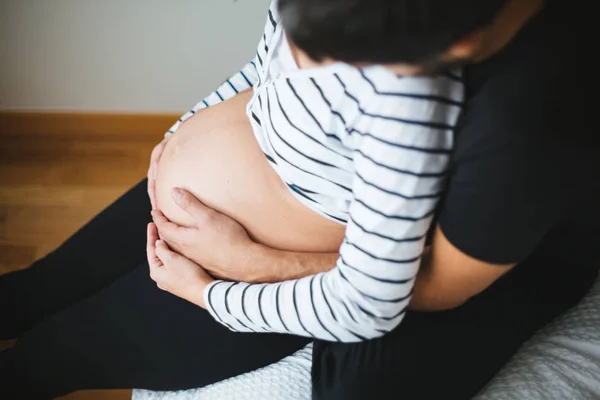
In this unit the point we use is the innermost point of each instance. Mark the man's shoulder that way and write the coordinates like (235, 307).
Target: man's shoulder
(523, 120)
(519, 91)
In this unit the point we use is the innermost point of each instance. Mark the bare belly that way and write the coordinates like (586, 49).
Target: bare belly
(215, 156)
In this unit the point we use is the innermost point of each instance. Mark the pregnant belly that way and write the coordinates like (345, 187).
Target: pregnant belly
(216, 157)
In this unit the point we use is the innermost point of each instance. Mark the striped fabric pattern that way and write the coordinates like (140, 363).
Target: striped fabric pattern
(240, 81)
(363, 147)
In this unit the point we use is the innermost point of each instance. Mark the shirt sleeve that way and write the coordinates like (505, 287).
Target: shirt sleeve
(400, 164)
(245, 79)
(504, 195)
(240, 81)
(517, 164)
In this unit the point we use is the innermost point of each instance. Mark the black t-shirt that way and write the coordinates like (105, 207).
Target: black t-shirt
(525, 174)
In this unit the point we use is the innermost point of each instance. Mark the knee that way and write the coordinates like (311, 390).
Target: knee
(15, 378)
(29, 370)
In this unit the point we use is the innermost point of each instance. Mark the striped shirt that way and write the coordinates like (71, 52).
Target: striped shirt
(361, 146)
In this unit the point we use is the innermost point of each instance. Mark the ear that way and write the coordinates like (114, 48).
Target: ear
(467, 47)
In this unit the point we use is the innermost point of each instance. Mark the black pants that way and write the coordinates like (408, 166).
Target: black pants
(88, 317)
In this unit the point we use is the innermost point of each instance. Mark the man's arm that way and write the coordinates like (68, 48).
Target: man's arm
(278, 265)
(447, 277)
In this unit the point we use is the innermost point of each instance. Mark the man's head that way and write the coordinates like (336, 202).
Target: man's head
(412, 36)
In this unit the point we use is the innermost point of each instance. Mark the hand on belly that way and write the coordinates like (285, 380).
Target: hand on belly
(215, 156)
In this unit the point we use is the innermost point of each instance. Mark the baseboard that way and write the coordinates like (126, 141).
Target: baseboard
(61, 123)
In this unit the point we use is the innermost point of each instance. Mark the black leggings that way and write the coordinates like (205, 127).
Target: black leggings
(88, 317)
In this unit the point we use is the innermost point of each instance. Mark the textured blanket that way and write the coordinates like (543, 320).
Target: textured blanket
(560, 362)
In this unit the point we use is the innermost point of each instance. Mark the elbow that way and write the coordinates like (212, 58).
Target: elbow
(365, 313)
(458, 299)
(433, 304)
(374, 331)
(450, 304)
(375, 323)
(382, 327)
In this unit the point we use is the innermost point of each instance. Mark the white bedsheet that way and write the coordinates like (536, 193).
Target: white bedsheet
(289, 379)
(560, 362)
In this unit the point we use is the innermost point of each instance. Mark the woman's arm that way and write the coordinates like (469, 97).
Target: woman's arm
(399, 164)
(447, 277)
(237, 83)
(243, 80)
(224, 249)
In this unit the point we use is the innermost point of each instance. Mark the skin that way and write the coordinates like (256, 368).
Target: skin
(173, 272)
(447, 277)
(216, 156)
(154, 158)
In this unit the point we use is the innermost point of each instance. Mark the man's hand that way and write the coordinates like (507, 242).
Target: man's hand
(224, 249)
(154, 159)
(217, 242)
(173, 272)
(447, 277)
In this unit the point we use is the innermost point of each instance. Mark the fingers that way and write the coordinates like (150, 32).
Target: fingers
(156, 265)
(168, 230)
(190, 204)
(152, 191)
(155, 152)
(152, 237)
(154, 158)
(152, 170)
(158, 149)
(164, 253)
(150, 173)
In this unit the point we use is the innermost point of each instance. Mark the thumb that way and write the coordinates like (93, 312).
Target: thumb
(191, 205)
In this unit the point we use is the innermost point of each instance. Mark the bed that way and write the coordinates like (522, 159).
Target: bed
(560, 362)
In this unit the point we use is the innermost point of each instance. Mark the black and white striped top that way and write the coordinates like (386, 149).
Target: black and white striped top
(363, 147)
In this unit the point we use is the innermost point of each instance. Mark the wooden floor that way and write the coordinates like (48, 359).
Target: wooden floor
(51, 184)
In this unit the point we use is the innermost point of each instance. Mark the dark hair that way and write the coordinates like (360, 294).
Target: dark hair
(383, 31)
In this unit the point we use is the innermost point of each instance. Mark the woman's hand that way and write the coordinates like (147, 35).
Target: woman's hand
(154, 159)
(216, 241)
(173, 272)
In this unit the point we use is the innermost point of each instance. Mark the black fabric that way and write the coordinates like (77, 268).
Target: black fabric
(89, 317)
(523, 188)
(109, 246)
(524, 160)
(450, 354)
(127, 333)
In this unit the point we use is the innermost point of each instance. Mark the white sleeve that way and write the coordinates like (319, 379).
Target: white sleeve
(240, 81)
(401, 154)
(245, 79)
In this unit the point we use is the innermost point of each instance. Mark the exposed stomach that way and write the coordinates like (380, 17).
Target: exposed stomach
(215, 156)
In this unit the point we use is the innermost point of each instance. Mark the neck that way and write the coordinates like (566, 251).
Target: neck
(506, 25)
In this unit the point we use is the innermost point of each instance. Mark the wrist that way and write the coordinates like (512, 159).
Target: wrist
(260, 264)
(201, 291)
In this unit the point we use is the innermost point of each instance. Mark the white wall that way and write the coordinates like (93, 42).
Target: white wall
(122, 55)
